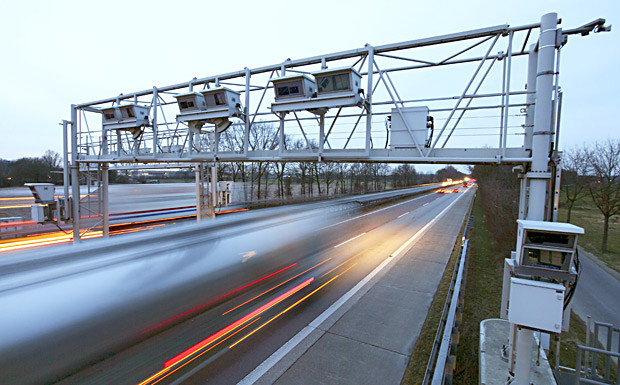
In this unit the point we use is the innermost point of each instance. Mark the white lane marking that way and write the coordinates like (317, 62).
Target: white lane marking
(270, 362)
(373, 212)
(348, 240)
(424, 204)
(423, 229)
(402, 215)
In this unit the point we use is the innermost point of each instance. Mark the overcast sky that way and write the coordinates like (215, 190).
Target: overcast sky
(55, 53)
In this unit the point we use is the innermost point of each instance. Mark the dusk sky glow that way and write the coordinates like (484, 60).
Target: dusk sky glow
(59, 53)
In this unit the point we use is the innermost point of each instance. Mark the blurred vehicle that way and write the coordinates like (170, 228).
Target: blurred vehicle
(67, 307)
(455, 190)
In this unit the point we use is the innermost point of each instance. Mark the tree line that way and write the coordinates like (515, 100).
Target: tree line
(591, 170)
(310, 178)
(264, 180)
(47, 168)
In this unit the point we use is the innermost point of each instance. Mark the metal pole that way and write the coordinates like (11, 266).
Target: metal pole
(199, 191)
(530, 99)
(246, 133)
(523, 193)
(281, 134)
(554, 105)
(321, 135)
(213, 189)
(524, 351)
(371, 61)
(75, 178)
(191, 141)
(540, 165)
(65, 161)
(542, 119)
(557, 120)
(106, 200)
(554, 204)
(509, 61)
(155, 102)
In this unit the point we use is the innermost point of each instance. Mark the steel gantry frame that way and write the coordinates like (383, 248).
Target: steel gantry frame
(174, 142)
(168, 141)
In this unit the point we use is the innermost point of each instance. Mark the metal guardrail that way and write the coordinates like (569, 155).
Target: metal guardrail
(446, 339)
(590, 374)
(28, 227)
(594, 365)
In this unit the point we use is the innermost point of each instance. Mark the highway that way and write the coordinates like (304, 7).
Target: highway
(133, 208)
(194, 303)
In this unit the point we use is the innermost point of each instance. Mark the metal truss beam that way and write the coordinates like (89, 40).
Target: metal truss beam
(159, 143)
(443, 39)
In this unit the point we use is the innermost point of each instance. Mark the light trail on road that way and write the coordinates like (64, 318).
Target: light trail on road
(169, 364)
(322, 254)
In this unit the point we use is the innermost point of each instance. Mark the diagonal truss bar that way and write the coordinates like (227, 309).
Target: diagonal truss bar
(472, 34)
(92, 142)
(468, 103)
(332, 126)
(261, 99)
(527, 38)
(400, 100)
(400, 112)
(303, 132)
(353, 130)
(466, 49)
(363, 61)
(465, 91)
(406, 59)
(161, 109)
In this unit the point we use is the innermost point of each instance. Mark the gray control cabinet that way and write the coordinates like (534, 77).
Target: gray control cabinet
(417, 119)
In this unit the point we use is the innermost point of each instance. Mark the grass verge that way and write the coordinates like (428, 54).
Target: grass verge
(482, 297)
(414, 373)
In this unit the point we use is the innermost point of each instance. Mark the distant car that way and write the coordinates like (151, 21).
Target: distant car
(442, 191)
(464, 184)
(455, 190)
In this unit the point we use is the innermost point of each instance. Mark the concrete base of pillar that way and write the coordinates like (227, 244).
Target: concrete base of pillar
(494, 367)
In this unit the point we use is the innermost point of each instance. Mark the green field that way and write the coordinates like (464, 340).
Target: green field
(586, 215)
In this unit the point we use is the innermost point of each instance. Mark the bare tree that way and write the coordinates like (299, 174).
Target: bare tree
(232, 140)
(356, 177)
(604, 160)
(404, 175)
(263, 136)
(52, 159)
(280, 171)
(384, 173)
(574, 179)
(329, 172)
(316, 174)
(341, 184)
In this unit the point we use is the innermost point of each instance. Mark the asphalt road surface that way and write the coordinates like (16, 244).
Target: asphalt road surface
(226, 342)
